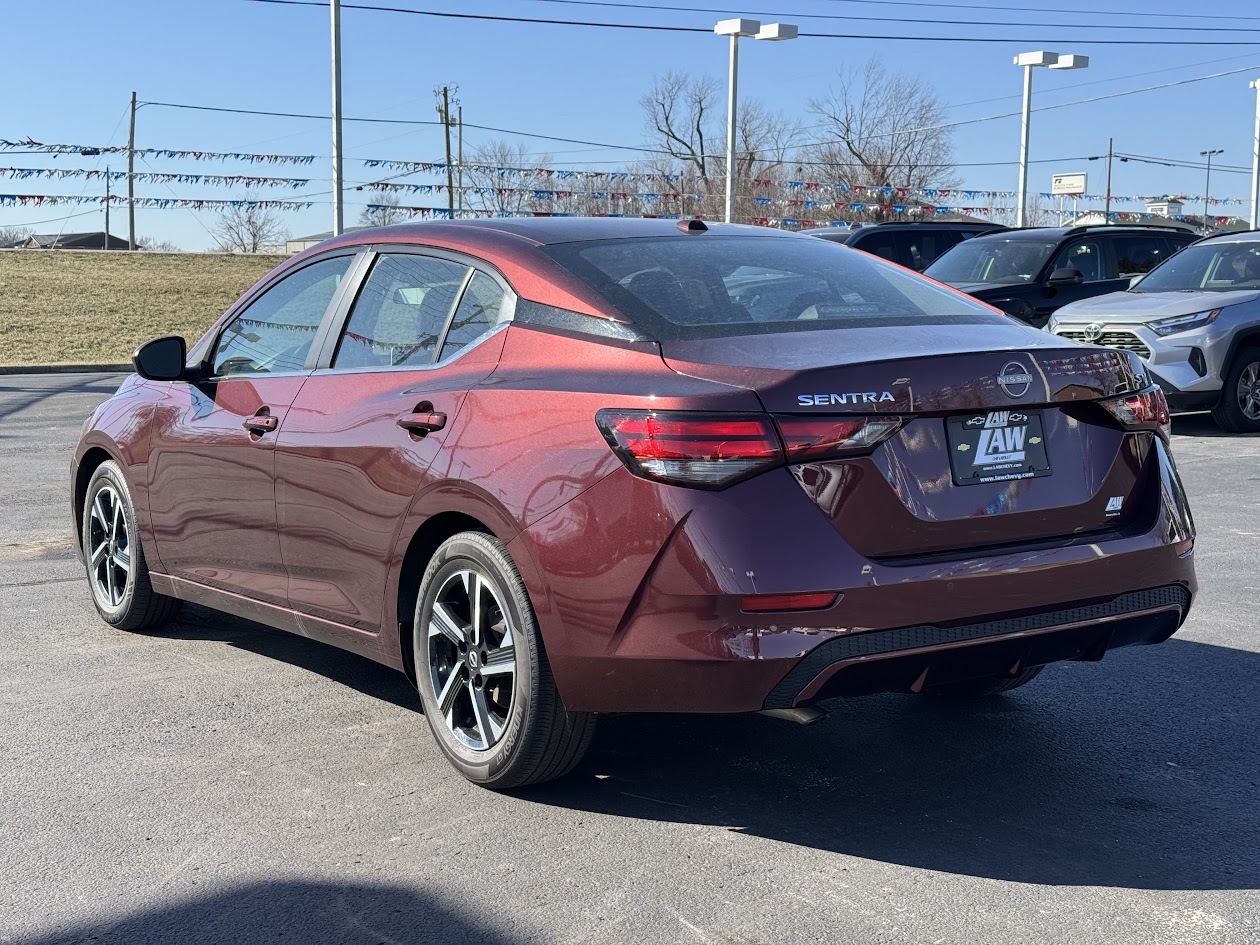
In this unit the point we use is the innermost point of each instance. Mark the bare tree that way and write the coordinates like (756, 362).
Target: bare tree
(506, 192)
(882, 129)
(14, 234)
(685, 122)
(248, 228)
(150, 245)
(384, 210)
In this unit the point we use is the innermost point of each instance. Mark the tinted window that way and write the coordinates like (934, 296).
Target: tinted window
(993, 261)
(696, 287)
(479, 310)
(400, 313)
(1212, 267)
(276, 331)
(1138, 254)
(1086, 257)
(921, 248)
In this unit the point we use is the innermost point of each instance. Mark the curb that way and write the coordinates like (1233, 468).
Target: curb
(67, 369)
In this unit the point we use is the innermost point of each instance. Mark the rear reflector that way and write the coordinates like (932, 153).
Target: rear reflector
(1185, 548)
(807, 438)
(704, 450)
(1146, 410)
(764, 603)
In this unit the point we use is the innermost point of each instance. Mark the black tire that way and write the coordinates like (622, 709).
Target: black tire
(989, 686)
(1239, 396)
(532, 737)
(118, 576)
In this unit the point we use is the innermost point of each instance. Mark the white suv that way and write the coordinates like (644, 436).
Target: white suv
(1195, 321)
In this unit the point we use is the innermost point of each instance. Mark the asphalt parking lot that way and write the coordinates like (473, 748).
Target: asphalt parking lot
(223, 782)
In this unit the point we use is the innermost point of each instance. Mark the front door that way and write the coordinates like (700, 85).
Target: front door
(212, 458)
(370, 431)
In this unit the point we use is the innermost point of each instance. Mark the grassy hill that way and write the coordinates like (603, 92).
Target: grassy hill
(63, 306)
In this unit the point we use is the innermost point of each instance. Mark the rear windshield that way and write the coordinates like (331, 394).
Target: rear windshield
(992, 261)
(1208, 267)
(705, 286)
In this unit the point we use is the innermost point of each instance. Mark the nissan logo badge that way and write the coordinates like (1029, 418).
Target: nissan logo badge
(1014, 379)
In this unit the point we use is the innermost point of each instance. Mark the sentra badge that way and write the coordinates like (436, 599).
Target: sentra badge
(827, 400)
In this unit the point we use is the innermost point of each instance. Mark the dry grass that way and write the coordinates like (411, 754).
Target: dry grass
(63, 306)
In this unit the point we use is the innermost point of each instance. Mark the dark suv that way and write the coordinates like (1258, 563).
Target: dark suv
(913, 245)
(1030, 273)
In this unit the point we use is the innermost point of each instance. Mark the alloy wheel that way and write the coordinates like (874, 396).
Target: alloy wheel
(109, 547)
(472, 659)
(1249, 391)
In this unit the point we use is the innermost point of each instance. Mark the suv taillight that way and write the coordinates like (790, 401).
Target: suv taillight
(715, 450)
(1145, 410)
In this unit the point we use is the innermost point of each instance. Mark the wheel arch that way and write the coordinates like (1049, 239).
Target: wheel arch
(1245, 338)
(87, 464)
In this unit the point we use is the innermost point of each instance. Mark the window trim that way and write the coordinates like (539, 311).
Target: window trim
(273, 279)
(341, 315)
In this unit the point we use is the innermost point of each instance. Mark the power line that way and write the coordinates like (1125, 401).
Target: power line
(935, 21)
(1059, 10)
(656, 27)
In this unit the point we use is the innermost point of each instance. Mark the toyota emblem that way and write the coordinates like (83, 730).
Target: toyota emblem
(1014, 379)
(1093, 331)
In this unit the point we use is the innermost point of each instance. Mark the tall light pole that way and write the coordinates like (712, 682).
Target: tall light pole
(1255, 162)
(1207, 185)
(1030, 61)
(735, 28)
(339, 214)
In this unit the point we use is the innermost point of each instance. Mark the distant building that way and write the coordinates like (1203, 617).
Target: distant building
(1166, 212)
(301, 243)
(69, 241)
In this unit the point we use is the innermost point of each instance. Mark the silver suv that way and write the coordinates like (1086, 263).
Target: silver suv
(1195, 320)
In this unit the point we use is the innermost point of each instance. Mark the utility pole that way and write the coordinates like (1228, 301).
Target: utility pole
(1207, 185)
(339, 209)
(459, 113)
(444, 112)
(1107, 205)
(131, 178)
(106, 241)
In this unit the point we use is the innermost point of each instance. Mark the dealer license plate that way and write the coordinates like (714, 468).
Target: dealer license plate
(997, 446)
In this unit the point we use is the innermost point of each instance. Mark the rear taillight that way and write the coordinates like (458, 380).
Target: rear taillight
(715, 450)
(1146, 410)
(807, 438)
(706, 450)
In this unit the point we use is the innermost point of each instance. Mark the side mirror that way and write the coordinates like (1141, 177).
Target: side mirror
(1135, 280)
(161, 359)
(1068, 276)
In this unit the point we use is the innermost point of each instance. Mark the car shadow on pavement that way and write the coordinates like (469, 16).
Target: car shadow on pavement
(1140, 772)
(357, 672)
(306, 912)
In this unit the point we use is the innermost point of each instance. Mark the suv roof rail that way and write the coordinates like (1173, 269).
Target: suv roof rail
(1145, 226)
(982, 223)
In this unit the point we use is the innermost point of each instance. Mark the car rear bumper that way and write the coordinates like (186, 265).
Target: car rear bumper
(657, 626)
(912, 659)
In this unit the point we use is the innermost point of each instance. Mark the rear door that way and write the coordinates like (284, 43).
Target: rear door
(212, 465)
(370, 428)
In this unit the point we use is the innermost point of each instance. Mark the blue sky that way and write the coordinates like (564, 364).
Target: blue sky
(72, 66)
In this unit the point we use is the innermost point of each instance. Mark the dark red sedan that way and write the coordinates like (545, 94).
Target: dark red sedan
(555, 468)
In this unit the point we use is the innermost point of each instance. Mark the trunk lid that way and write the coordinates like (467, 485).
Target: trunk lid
(906, 498)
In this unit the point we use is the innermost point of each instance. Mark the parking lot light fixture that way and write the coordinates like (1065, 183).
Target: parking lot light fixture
(1030, 61)
(735, 28)
(1255, 162)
